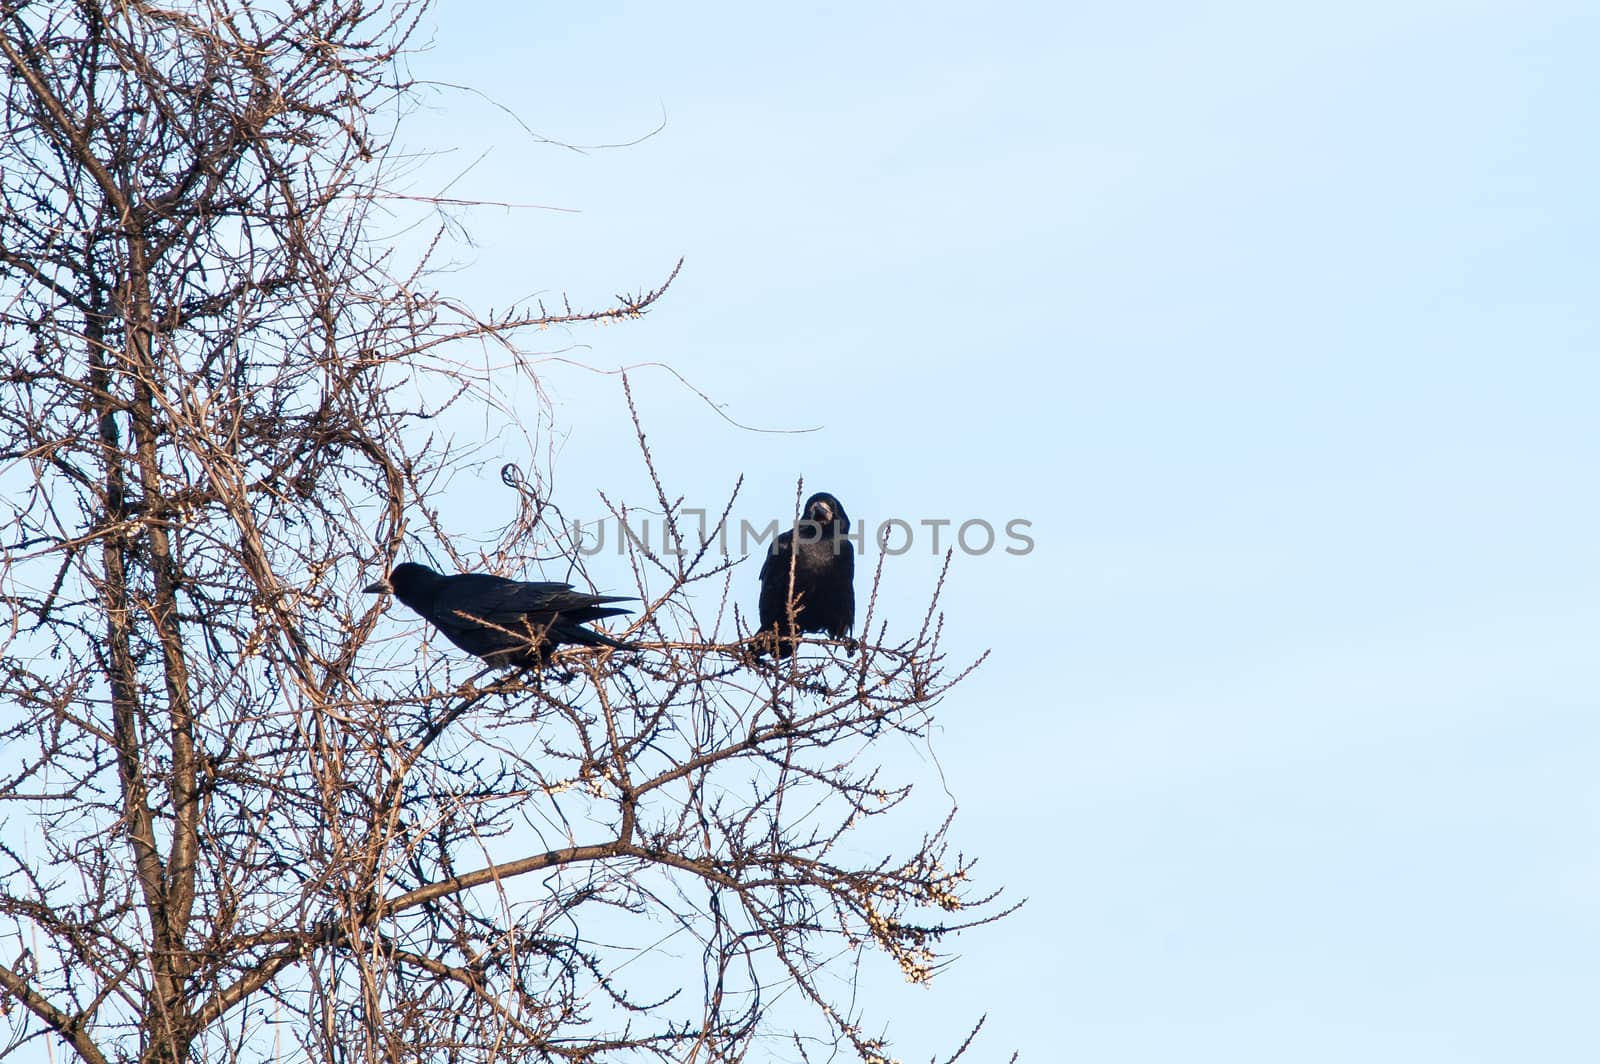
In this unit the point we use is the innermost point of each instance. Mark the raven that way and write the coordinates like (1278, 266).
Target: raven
(504, 622)
(824, 563)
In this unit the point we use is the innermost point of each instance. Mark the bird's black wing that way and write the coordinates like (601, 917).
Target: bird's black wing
(563, 612)
(497, 600)
(483, 613)
(773, 604)
(843, 580)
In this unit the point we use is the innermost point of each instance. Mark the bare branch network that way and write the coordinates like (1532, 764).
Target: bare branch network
(246, 815)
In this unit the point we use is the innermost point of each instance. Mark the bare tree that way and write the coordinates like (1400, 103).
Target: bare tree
(243, 815)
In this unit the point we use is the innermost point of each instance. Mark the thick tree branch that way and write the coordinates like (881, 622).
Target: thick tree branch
(70, 1028)
(507, 870)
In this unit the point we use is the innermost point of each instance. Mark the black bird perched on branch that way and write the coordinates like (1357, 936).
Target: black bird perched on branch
(824, 569)
(504, 622)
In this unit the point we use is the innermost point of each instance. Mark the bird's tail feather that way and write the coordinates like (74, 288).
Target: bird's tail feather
(588, 637)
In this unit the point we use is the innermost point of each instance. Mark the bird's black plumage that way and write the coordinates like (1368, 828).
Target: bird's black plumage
(824, 568)
(504, 622)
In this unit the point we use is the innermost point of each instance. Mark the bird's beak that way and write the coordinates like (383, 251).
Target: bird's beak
(380, 588)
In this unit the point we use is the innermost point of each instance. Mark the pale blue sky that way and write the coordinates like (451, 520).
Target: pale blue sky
(1280, 326)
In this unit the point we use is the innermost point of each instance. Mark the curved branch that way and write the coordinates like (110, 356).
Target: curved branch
(508, 870)
(68, 1027)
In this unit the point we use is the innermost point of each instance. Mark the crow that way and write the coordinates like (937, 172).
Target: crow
(504, 622)
(824, 562)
